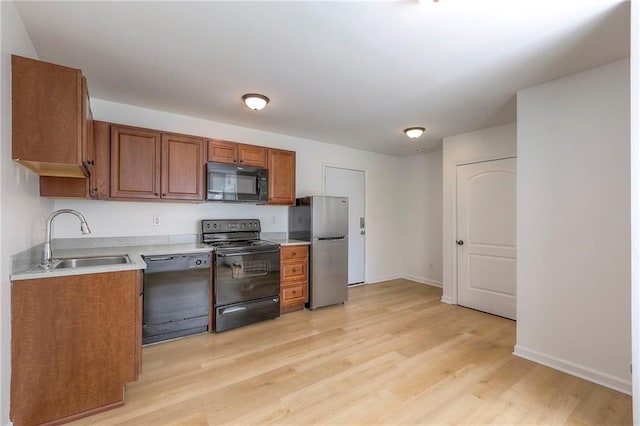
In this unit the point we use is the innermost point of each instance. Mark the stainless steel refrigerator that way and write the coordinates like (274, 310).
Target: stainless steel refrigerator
(324, 221)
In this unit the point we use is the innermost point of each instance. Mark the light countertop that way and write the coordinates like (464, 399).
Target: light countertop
(27, 267)
(288, 242)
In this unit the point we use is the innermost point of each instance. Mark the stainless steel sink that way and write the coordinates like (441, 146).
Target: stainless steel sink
(79, 262)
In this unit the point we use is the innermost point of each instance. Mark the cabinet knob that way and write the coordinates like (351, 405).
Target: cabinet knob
(235, 161)
(293, 253)
(156, 194)
(92, 163)
(242, 161)
(164, 195)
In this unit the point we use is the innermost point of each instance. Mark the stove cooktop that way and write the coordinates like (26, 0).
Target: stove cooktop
(235, 235)
(242, 244)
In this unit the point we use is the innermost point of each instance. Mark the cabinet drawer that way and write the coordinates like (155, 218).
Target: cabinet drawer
(295, 294)
(294, 270)
(293, 252)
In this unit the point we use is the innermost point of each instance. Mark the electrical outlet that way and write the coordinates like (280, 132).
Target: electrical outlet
(156, 221)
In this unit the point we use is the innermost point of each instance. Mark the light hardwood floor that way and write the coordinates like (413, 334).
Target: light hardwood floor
(394, 354)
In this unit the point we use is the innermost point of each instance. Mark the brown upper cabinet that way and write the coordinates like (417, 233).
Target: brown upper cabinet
(236, 153)
(282, 176)
(251, 155)
(135, 163)
(146, 164)
(51, 118)
(96, 186)
(222, 151)
(182, 167)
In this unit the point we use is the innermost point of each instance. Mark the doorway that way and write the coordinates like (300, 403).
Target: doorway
(350, 183)
(486, 236)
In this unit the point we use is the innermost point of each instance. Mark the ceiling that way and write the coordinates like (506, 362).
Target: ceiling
(348, 73)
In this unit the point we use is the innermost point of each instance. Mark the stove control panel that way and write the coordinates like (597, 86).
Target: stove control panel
(230, 225)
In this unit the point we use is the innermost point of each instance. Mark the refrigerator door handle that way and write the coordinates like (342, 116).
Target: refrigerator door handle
(330, 238)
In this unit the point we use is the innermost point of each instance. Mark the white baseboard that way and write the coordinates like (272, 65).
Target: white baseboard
(380, 278)
(422, 280)
(568, 367)
(447, 299)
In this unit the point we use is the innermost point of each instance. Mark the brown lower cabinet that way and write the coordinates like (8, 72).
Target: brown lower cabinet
(76, 340)
(294, 277)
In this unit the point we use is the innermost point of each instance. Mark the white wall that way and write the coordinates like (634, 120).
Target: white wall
(421, 226)
(483, 145)
(635, 205)
(20, 205)
(383, 196)
(573, 225)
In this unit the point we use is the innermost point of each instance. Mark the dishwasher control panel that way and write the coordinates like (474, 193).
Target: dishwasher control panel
(177, 262)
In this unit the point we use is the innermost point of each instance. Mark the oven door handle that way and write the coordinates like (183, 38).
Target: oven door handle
(246, 253)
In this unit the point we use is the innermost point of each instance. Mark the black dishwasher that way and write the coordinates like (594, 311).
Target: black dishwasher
(176, 300)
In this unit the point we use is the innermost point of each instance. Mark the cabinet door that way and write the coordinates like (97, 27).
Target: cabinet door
(182, 167)
(251, 155)
(88, 151)
(47, 119)
(99, 178)
(73, 345)
(222, 151)
(135, 163)
(137, 344)
(96, 186)
(282, 176)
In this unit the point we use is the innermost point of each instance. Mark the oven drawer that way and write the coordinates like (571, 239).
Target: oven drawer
(239, 314)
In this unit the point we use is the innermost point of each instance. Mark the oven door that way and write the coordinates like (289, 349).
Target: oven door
(240, 277)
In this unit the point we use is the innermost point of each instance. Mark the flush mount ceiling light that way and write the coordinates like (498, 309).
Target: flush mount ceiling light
(255, 101)
(414, 132)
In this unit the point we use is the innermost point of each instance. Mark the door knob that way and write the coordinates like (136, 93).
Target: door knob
(460, 242)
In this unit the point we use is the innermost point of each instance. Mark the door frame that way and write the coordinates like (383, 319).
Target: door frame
(454, 247)
(366, 213)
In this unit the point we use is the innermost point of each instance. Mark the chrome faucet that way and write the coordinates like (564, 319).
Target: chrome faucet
(46, 259)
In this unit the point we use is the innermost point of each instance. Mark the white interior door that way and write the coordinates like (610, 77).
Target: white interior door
(350, 183)
(486, 236)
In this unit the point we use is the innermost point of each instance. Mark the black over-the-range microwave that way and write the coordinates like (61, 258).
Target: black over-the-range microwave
(232, 183)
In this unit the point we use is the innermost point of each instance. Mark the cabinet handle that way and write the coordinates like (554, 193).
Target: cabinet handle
(235, 161)
(164, 195)
(242, 161)
(92, 163)
(156, 194)
(293, 253)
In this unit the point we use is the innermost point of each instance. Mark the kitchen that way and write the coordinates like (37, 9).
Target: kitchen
(387, 194)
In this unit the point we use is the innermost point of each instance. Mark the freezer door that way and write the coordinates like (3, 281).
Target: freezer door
(329, 217)
(329, 272)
